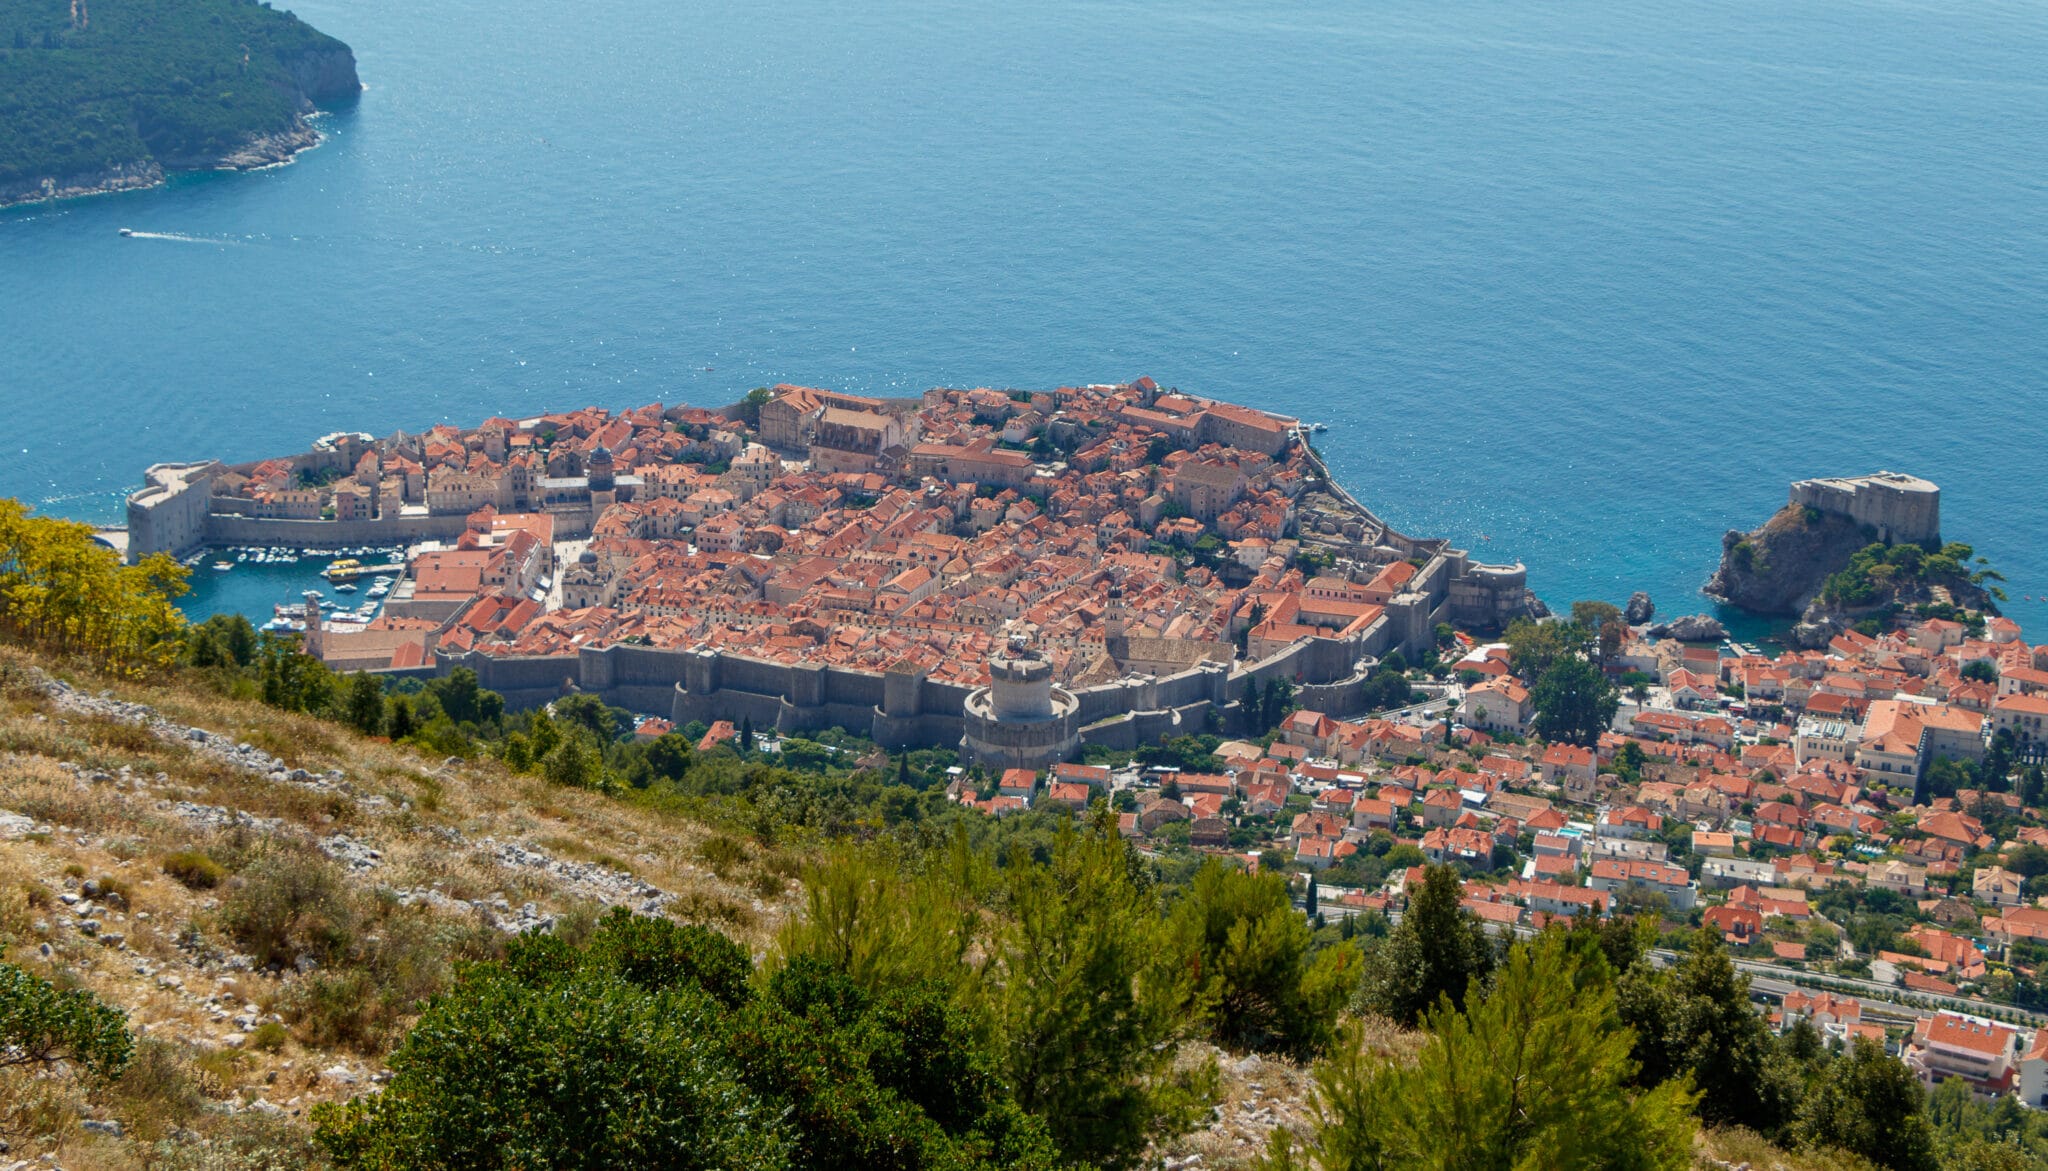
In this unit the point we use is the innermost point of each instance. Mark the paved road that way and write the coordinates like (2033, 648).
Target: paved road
(1883, 1001)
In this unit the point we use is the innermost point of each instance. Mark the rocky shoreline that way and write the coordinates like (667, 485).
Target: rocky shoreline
(256, 153)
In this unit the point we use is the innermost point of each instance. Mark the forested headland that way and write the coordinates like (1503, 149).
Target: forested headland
(109, 94)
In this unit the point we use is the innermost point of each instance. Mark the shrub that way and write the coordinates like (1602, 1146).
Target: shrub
(290, 905)
(333, 1009)
(650, 1046)
(194, 869)
(722, 854)
(157, 1093)
(269, 1037)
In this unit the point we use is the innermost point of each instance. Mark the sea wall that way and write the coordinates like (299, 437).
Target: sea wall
(223, 529)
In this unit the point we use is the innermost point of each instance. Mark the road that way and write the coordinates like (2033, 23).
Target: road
(1881, 1001)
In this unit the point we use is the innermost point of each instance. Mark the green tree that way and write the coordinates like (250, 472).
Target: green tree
(1436, 952)
(401, 724)
(1087, 996)
(1532, 1074)
(1574, 703)
(290, 679)
(364, 707)
(1871, 1105)
(1604, 619)
(576, 763)
(1534, 646)
(1260, 984)
(669, 756)
(464, 700)
(591, 713)
(750, 406)
(1697, 1021)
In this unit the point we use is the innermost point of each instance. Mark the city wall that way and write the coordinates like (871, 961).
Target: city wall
(902, 709)
(224, 529)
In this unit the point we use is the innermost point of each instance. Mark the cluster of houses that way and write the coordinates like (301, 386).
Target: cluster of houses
(1130, 528)
(1733, 790)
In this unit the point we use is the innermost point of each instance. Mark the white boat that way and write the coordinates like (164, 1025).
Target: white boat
(345, 588)
(223, 565)
(127, 231)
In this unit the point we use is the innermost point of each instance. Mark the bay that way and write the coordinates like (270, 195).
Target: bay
(1581, 284)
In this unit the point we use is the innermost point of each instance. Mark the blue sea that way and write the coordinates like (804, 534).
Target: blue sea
(1582, 284)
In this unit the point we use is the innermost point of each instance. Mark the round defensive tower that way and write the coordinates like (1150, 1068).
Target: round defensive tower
(1020, 720)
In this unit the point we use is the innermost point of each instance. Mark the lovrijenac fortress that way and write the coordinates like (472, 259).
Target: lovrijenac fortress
(1903, 509)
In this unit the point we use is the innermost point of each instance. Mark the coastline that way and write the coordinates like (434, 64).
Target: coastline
(256, 153)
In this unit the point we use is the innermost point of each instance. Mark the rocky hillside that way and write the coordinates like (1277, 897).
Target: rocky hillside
(1828, 570)
(269, 897)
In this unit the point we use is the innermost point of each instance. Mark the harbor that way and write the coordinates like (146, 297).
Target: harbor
(268, 586)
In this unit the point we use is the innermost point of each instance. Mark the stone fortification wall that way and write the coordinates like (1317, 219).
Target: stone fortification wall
(222, 529)
(903, 708)
(169, 514)
(1901, 508)
(1125, 733)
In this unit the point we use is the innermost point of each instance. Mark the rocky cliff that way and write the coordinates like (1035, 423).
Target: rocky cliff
(1832, 571)
(326, 76)
(1779, 568)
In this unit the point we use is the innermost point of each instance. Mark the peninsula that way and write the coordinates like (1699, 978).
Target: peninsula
(1012, 572)
(111, 95)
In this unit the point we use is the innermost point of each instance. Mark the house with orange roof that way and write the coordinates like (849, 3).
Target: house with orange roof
(1497, 705)
(1980, 1052)
(1737, 925)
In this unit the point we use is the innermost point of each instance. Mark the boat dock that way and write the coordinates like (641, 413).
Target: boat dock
(349, 572)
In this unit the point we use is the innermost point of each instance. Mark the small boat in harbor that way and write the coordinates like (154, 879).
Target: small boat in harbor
(223, 566)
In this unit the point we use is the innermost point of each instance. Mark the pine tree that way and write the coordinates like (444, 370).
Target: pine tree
(1088, 996)
(1871, 1105)
(1532, 1074)
(1262, 985)
(747, 734)
(1698, 1020)
(1308, 902)
(364, 708)
(401, 724)
(1436, 951)
(1574, 702)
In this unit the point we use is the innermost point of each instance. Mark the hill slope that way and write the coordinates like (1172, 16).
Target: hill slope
(99, 95)
(269, 897)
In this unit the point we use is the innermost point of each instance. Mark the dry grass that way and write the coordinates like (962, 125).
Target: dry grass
(427, 819)
(1735, 1145)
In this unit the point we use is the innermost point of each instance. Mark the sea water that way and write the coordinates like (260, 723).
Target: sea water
(1582, 284)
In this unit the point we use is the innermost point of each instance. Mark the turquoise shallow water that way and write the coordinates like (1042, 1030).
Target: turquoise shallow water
(1579, 283)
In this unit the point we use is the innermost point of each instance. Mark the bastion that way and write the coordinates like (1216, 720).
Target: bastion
(1903, 509)
(1020, 720)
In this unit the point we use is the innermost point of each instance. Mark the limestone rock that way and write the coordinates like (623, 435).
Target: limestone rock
(1778, 567)
(1640, 609)
(1691, 628)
